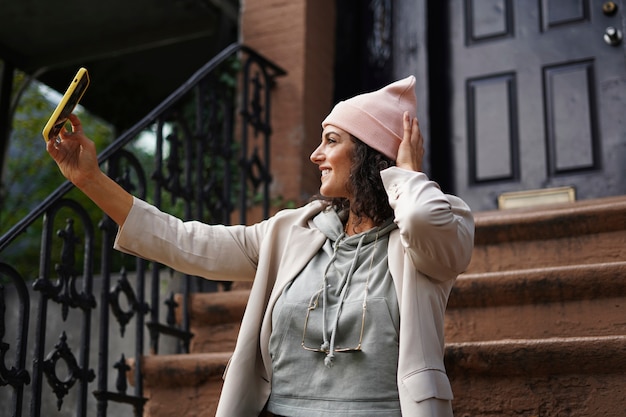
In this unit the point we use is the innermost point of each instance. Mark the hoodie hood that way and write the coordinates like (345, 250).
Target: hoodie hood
(331, 224)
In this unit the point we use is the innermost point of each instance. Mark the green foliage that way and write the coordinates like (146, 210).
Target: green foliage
(30, 174)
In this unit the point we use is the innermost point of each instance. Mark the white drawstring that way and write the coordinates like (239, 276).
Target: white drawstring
(326, 345)
(343, 285)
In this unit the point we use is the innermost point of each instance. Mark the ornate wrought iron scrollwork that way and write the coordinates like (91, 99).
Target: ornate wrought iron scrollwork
(125, 180)
(121, 385)
(256, 111)
(135, 307)
(16, 375)
(122, 368)
(11, 376)
(8, 376)
(207, 143)
(170, 328)
(173, 182)
(64, 292)
(61, 387)
(170, 304)
(256, 171)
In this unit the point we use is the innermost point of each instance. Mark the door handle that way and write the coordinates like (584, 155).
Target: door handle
(612, 36)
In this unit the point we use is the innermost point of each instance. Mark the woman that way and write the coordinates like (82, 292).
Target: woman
(346, 311)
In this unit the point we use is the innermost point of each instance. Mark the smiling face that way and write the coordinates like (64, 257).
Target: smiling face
(334, 158)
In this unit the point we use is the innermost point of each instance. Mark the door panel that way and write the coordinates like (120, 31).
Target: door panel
(538, 98)
(569, 95)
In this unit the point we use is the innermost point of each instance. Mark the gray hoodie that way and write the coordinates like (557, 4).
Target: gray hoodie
(334, 344)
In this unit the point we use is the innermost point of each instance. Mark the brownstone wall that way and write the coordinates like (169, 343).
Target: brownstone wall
(297, 35)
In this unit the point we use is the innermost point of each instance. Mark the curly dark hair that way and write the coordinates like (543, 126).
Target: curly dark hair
(365, 184)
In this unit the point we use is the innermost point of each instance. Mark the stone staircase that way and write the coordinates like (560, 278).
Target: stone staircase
(535, 327)
(189, 385)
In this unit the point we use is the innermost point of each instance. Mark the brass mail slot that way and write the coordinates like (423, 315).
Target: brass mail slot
(530, 198)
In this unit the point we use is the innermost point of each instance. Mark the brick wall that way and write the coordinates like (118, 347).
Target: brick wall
(297, 35)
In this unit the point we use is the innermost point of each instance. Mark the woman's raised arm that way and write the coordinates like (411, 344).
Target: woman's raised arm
(76, 156)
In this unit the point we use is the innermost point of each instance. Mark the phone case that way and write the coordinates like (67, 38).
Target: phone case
(66, 106)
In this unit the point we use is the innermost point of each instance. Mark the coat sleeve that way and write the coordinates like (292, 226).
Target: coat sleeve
(436, 229)
(211, 251)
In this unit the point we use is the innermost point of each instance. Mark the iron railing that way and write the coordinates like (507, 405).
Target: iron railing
(209, 159)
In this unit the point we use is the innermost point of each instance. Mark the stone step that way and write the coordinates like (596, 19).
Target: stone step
(565, 301)
(538, 281)
(583, 232)
(575, 377)
(214, 319)
(182, 385)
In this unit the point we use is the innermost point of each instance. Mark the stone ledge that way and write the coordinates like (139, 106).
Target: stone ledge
(181, 370)
(519, 357)
(215, 319)
(540, 285)
(568, 301)
(551, 222)
(506, 358)
(215, 308)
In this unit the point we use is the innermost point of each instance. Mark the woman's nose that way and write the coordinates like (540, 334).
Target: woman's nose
(316, 155)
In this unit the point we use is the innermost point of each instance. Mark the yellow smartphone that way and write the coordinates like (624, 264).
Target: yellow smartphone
(70, 99)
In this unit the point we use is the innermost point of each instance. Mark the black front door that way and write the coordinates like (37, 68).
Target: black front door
(537, 97)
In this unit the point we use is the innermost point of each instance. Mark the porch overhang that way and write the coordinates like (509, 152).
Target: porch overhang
(136, 51)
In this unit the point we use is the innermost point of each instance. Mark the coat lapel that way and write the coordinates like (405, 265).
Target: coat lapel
(302, 246)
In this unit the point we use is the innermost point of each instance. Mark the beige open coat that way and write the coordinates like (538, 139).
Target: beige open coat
(432, 245)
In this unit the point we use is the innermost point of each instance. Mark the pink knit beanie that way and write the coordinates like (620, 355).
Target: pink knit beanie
(376, 118)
